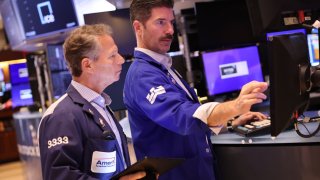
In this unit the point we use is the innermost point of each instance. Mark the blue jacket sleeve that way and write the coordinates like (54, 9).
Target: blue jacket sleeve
(61, 147)
(158, 97)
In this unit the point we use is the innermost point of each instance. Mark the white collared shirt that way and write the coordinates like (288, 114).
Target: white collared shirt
(90, 96)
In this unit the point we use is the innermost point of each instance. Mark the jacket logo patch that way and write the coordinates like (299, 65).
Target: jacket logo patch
(154, 92)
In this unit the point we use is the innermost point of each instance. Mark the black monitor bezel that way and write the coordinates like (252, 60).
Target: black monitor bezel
(288, 99)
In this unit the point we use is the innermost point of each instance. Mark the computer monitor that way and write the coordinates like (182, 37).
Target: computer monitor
(278, 33)
(289, 79)
(55, 57)
(222, 24)
(228, 70)
(313, 42)
(313, 47)
(18, 73)
(43, 19)
(21, 95)
(60, 82)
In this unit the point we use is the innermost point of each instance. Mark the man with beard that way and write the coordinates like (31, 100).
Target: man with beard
(165, 116)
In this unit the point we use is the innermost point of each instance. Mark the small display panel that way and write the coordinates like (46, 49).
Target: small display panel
(21, 95)
(18, 73)
(228, 70)
(278, 33)
(43, 17)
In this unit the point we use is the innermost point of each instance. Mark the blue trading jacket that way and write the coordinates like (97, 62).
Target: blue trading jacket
(160, 115)
(75, 134)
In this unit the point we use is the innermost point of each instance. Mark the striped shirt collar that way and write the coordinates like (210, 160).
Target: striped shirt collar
(163, 59)
(89, 94)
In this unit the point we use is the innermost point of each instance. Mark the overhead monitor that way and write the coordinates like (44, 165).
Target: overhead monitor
(44, 18)
(223, 24)
(228, 70)
(289, 79)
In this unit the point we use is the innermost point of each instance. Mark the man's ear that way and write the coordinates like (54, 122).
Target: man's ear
(86, 64)
(137, 25)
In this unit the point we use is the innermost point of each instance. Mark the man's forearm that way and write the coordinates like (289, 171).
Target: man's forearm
(222, 113)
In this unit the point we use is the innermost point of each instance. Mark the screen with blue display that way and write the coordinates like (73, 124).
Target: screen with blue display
(18, 73)
(313, 47)
(21, 95)
(271, 34)
(228, 70)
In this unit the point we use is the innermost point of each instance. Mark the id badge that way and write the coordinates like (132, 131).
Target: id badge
(104, 162)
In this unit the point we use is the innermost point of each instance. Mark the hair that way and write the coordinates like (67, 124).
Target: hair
(83, 42)
(141, 9)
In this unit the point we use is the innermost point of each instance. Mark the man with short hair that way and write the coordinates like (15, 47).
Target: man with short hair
(79, 137)
(165, 116)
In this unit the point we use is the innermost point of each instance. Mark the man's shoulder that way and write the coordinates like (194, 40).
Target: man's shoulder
(60, 107)
(142, 67)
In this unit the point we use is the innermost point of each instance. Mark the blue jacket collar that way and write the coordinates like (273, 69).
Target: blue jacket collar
(140, 56)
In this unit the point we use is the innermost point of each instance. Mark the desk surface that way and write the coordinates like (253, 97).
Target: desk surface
(286, 137)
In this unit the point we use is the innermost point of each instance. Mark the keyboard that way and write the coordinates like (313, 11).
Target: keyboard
(254, 128)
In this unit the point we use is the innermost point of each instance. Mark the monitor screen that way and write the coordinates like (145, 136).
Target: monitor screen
(313, 47)
(289, 74)
(55, 58)
(278, 33)
(39, 18)
(21, 95)
(2, 88)
(223, 24)
(60, 83)
(228, 70)
(18, 73)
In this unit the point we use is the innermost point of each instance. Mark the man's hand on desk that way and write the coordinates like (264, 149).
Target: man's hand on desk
(249, 116)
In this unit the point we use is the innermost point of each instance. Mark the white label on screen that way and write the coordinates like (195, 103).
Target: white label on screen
(45, 12)
(25, 94)
(235, 69)
(23, 72)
